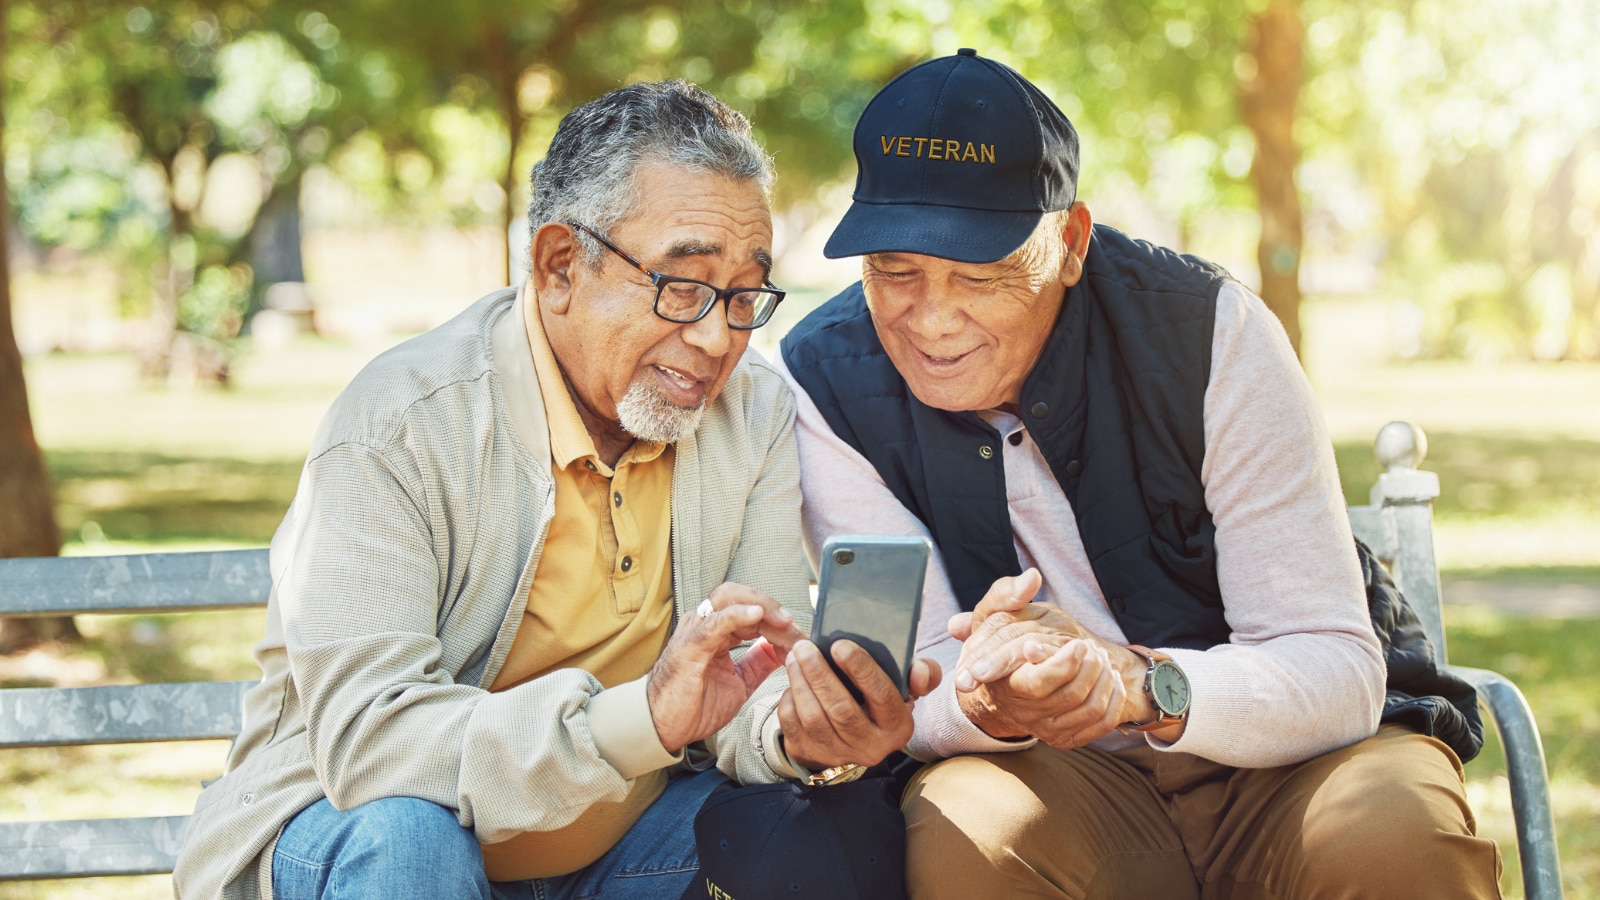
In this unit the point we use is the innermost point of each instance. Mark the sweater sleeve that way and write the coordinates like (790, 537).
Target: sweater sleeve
(843, 494)
(1303, 672)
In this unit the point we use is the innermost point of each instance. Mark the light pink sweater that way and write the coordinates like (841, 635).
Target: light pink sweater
(1302, 673)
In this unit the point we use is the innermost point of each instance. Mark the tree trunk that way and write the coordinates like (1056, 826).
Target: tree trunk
(504, 73)
(1269, 87)
(274, 242)
(27, 517)
(174, 277)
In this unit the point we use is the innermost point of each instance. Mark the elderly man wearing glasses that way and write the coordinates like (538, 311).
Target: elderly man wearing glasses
(498, 651)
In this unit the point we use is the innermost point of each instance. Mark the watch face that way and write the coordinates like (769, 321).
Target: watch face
(1169, 688)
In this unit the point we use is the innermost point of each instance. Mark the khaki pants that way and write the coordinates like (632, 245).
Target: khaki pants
(1386, 817)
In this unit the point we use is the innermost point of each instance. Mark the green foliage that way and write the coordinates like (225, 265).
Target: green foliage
(81, 191)
(1454, 145)
(1475, 128)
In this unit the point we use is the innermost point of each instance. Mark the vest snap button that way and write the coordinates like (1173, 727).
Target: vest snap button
(1040, 409)
(986, 451)
(1074, 468)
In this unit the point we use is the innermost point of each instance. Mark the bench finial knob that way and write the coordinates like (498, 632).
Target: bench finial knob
(1400, 445)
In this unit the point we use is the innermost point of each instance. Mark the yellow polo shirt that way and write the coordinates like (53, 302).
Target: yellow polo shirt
(601, 601)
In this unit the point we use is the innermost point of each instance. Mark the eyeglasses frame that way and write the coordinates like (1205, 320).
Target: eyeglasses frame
(660, 282)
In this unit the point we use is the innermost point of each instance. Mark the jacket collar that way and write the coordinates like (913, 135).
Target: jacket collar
(519, 384)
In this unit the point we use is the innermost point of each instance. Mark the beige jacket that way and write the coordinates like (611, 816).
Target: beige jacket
(399, 576)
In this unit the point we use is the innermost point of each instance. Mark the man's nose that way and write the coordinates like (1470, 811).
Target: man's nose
(933, 315)
(711, 333)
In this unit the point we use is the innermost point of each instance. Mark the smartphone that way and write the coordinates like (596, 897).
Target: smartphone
(870, 591)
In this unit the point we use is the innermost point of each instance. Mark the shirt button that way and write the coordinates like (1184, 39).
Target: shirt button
(627, 563)
(1015, 439)
(1040, 409)
(1073, 468)
(986, 451)
(617, 499)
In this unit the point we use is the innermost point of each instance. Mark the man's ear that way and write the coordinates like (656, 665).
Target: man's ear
(1075, 242)
(552, 255)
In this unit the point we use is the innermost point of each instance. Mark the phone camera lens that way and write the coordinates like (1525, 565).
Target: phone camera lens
(844, 557)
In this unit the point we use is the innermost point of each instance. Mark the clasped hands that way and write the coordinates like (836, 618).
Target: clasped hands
(1031, 670)
(696, 686)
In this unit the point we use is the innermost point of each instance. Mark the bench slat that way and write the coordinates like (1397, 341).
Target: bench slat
(143, 583)
(122, 714)
(88, 847)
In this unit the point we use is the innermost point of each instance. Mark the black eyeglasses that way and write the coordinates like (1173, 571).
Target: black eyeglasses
(685, 300)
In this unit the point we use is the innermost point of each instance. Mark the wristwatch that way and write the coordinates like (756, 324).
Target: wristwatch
(838, 775)
(1166, 686)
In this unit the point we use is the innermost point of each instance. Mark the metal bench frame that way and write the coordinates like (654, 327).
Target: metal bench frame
(1398, 526)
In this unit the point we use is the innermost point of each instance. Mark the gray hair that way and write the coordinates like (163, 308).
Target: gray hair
(588, 174)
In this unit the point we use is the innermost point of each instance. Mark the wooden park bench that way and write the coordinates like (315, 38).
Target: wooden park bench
(1398, 526)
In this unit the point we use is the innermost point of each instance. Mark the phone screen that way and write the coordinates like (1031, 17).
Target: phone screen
(870, 591)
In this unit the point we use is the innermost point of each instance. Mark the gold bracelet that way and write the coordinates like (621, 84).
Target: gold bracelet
(838, 775)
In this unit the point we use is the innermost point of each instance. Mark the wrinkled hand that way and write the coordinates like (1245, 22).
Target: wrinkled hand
(823, 726)
(1030, 669)
(696, 686)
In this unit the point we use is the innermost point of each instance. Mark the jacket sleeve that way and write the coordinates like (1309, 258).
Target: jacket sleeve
(362, 593)
(769, 557)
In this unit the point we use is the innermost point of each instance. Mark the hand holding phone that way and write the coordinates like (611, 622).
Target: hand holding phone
(870, 591)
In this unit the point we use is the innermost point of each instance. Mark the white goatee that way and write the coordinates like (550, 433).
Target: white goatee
(648, 415)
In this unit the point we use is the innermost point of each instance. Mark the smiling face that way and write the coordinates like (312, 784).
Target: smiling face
(615, 352)
(965, 335)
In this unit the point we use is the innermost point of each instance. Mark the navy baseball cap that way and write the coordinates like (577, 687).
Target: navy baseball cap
(958, 157)
(789, 840)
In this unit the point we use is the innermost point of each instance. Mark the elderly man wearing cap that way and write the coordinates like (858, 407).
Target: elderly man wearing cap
(1166, 680)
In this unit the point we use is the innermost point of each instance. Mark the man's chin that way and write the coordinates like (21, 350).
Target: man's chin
(649, 416)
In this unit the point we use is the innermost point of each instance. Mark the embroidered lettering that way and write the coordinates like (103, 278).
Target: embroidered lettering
(936, 148)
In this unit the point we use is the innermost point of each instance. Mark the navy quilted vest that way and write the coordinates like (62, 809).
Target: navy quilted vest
(1115, 403)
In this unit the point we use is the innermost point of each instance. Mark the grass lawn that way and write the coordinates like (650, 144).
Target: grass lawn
(139, 467)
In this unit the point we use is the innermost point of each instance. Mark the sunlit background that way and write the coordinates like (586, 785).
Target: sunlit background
(220, 210)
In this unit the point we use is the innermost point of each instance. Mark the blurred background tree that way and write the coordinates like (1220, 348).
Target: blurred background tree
(27, 514)
(1449, 148)
(1475, 130)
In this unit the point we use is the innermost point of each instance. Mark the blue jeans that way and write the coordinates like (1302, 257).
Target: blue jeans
(404, 847)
